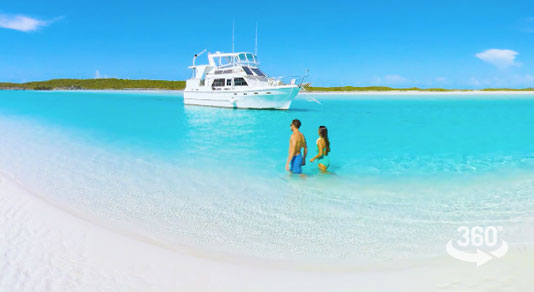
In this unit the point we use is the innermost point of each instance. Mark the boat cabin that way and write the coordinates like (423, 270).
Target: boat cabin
(227, 71)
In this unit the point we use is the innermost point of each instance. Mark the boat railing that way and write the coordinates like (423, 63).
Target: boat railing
(287, 80)
(237, 64)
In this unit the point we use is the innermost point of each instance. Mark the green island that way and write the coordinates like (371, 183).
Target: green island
(115, 83)
(95, 84)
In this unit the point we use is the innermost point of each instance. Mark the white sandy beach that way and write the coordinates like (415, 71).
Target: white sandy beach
(45, 248)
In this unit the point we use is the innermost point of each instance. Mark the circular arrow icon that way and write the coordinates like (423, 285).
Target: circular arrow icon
(479, 257)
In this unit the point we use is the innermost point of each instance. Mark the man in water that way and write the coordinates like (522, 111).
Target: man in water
(296, 160)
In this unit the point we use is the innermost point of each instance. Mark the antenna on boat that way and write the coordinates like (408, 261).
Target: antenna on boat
(197, 55)
(256, 42)
(233, 28)
(308, 97)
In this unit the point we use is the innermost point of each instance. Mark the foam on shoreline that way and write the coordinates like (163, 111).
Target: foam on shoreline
(47, 249)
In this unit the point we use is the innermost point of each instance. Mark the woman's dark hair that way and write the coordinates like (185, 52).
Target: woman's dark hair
(323, 132)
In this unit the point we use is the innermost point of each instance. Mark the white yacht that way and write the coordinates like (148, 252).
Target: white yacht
(235, 80)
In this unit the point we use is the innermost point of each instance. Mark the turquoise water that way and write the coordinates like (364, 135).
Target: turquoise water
(406, 170)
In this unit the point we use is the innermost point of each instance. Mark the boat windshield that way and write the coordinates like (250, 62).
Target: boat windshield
(247, 58)
(225, 61)
(251, 58)
(230, 60)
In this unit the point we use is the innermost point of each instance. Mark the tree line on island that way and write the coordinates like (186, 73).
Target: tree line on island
(114, 83)
(100, 83)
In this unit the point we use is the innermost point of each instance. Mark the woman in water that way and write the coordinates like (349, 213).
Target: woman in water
(323, 148)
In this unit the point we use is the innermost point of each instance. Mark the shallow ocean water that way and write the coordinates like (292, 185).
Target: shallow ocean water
(406, 171)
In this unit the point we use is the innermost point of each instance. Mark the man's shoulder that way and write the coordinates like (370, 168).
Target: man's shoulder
(300, 138)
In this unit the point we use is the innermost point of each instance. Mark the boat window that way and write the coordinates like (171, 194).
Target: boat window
(242, 58)
(250, 58)
(228, 82)
(218, 71)
(226, 60)
(247, 70)
(218, 82)
(258, 72)
(240, 82)
(227, 71)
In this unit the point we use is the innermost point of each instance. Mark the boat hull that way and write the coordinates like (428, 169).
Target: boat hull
(266, 98)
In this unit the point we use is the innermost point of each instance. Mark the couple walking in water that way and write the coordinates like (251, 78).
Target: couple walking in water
(298, 150)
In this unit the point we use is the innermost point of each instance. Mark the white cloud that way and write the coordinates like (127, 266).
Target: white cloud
(502, 59)
(394, 79)
(530, 79)
(527, 24)
(98, 75)
(21, 22)
(475, 82)
(441, 80)
(510, 81)
(390, 79)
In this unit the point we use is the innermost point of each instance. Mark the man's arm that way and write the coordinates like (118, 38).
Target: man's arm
(291, 151)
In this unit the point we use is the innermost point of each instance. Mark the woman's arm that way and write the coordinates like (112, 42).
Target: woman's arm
(321, 144)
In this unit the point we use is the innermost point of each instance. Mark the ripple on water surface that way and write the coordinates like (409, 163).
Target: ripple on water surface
(406, 173)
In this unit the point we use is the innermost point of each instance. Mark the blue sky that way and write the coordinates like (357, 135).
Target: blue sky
(452, 44)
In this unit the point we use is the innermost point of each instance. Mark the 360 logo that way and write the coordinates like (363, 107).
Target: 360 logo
(468, 248)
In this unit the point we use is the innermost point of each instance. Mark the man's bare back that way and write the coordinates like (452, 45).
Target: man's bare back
(297, 141)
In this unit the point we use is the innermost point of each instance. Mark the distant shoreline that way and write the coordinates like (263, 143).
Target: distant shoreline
(420, 92)
(304, 93)
(178, 86)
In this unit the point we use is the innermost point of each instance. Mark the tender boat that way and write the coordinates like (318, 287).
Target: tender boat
(234, 80)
